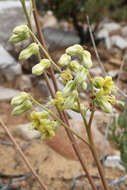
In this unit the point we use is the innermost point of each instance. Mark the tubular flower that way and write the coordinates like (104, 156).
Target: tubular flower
(42, 123)
(21, 103)
(20, 33)
(81, 75)
(74, 66)
(74, 50)
(25, 106)
(103, 103)
(70, 100)
(19, 99)
(106, 85)
(102, 96)
(59, 100)
(86, 59)
(66, 76)
(39, 68)
(64, 60)
(70, 86)
(32, 49)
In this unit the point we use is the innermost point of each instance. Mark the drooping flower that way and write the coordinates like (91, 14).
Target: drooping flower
(64, 60)
(39, 68)
(74, 50)
(17, 100)
(32, 49)
(20, 33)
(23, 107)
(86, 59)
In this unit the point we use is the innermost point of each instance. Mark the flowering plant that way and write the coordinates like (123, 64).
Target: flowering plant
(75, 76)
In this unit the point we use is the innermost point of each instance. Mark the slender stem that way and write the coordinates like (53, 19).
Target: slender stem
(90, 138)
(59, 120)
(39, 57)
(63, 115)
(27, 14)
(75, 146)
(45, 52)
(23, 156)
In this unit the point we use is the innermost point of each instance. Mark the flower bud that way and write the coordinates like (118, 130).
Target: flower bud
(83, 86)
(103, 103)
(74, 50)
(64, 60)
(59, 100)
(19, 99)
(25, 106)
(70, 100)
(66, 76)
(41, 67)
(81, 75)
(98, 82)
(20, 33)
(86, 59)
(32, 49)
(22, 29)
(74, 66)
(70, 86)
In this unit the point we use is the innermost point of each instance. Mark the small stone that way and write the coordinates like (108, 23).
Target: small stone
(9, 68)
(111, 26)
(24, 82)
(119, 41)
(26, 131)
(124, 31)
(113, 73)
(96, 71)
(114, 162)
(61, 144)
(6, 94)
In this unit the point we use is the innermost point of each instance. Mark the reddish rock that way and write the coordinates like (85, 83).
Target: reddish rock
(62, 145)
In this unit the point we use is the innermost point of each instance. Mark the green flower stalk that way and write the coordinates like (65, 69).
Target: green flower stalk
(64, 60)
(32, 49)
(20, 33)
(39, 68)
(20, 109)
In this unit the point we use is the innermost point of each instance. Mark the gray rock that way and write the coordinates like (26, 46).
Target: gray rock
(103, 33)
(9, 68)
(124, 31)
(7, 93)
(119, 41)
(24, 82)
(11, 15)
(26, 131)
(42, 86)
(114, 162)
(112, 26)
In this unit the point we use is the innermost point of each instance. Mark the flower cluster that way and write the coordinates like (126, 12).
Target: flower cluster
(21, 103)
(73, 77)
(42, 123)
(104, 88)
